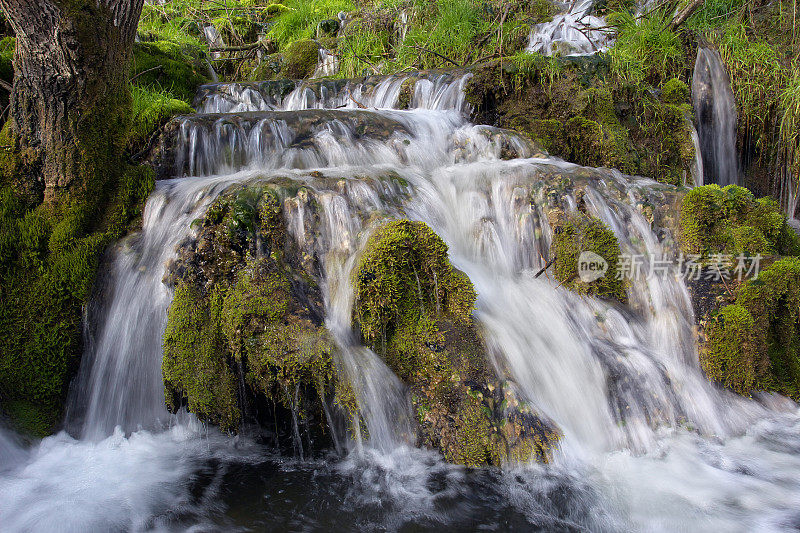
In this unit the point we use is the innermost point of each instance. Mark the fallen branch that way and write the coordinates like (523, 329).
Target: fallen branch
(240, 48)
(682, 15)
(545, 267)
(5, 85)
(437, 54)
(146, 71)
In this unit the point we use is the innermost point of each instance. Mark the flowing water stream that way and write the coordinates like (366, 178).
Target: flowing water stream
(649, 444)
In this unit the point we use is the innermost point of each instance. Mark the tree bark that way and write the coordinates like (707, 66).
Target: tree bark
(70, 102)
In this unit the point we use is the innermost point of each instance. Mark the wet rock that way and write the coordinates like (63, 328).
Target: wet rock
(415, 310)
(245, 340)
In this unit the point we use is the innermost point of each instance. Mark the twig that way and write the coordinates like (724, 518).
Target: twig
(146, 71)
(436, 54)
(685, 13)
(241, 48)
(5, 85)
(545, 267)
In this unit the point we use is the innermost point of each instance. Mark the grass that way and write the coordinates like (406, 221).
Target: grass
(152, 107)
(301, 18)
(646, 49)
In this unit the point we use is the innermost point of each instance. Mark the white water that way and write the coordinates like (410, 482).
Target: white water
(715, 114)
(649, 444)
(573, 32)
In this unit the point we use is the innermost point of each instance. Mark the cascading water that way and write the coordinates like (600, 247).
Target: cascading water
(573, 32)
(715, 114)
(649, 444)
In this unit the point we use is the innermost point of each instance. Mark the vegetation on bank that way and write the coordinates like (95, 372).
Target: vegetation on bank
(760, 45)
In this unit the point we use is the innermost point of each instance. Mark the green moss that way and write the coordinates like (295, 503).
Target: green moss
(7, 45)
(151, 110)
(300, 59)
(596, 144)
(755, 344)
(675, 92)
(579, 111)
(172, 67)
(48, 259)
(195, 363)
(415, 310)
(749, 241)
(730, 356)
(576, 233)
(724, 220)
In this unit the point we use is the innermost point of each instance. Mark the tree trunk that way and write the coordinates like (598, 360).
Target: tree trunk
(70, 102)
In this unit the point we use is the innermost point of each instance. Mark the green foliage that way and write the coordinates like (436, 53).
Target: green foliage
(576, 233)
(7, 45)
(300, 18)
(646, 49)
(729, 220)
(759, 46)
(48, 259)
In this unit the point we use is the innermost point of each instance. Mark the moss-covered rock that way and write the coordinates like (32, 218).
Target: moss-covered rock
(49, 255)
(730, 355)
(415, 310)
(574, 234)
(300, 59)
(730, 220)
(581, 112)
(754, 344)
(245, 338)
(675, 92)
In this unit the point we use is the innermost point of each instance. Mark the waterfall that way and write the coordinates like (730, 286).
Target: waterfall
(649, 443)
(572, 32)
(715, 114)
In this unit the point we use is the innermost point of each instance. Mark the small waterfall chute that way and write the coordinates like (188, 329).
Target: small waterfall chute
(715, 116)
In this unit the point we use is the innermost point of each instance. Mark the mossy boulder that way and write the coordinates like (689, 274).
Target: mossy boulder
(575, 234)
(245, 339)
(675, 92)
(300, 59)
(754, 343)
(415, 310)
(730, 220)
